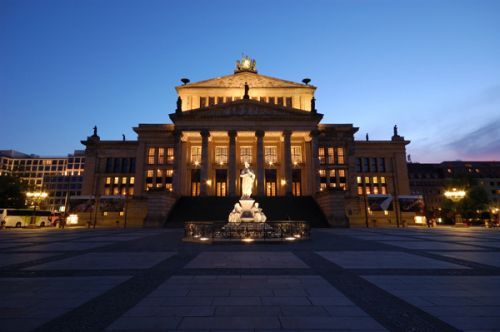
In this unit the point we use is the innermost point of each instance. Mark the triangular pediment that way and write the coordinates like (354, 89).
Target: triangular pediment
(238, 80)
(247, 109)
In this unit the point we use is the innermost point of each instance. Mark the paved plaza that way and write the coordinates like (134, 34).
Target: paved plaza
(417, 279)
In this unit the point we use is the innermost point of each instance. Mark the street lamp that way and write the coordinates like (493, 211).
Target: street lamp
(456, 195)
(37, 197)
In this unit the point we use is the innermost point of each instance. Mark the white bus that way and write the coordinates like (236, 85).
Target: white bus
(22, 217)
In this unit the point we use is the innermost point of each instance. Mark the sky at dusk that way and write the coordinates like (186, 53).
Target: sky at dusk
(431, 67)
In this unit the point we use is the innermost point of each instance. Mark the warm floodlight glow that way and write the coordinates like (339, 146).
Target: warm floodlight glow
(290, 238)
(209, 182)
(283, 182)
(247, 240)
(204, 239)
(196, 163)
(72, 219)
(454, 194)
(37, 194)
(297, 236)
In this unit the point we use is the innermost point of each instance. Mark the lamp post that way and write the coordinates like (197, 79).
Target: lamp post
(37, 197)
(456, 196)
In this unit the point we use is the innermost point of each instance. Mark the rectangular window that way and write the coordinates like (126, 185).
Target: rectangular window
(229, 99)
(221, 155)
(170, 155)
(342, 179)
(169, 173)
(220, 100)
(125, 165)
(108, 181)
(296, 154)
(262, 99)
(203, 102)
(109, 165)
(124, 180)
(271, 100)
(280, 101)
(331, 157)
(321, 155)
(196, 155)
(211, 101)
(246, 154)
(270, 154)
(366, 165)
(333, 178)
(132, 180)
(373, 165)
(381, 164)
(288, 101)
(116, 180)
(161, 155)
(340, 155)
(151, 156)
(358, 165)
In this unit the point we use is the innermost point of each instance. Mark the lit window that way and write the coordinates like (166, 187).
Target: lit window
(170, 154)
(374, 180)
(358, 179)
(246, 154)
(151, 156)
(124, 180)
(132, 180)
(169, 172)
(221, 155)
(321, 155)
(322, 173)
(270, 154)
(117, 180)
(131, 190)
(331, 157)
(108, 180)
(196, 154)
(161, 155)
(296, 154)
(340, 155)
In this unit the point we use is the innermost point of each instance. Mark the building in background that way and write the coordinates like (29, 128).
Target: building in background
(60, 177)
(429, 180)
(271, 123)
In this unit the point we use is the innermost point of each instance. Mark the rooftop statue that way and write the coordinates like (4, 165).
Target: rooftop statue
(246, 64)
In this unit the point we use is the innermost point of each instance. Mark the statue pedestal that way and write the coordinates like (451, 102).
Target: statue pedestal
(247, 214)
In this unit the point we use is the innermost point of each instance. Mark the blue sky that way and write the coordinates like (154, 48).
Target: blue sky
(432, 67)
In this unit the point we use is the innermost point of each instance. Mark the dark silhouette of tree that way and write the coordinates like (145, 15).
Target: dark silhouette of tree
(12, 192)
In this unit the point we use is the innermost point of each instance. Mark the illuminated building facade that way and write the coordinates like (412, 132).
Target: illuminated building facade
(273, 124)
(60, 177)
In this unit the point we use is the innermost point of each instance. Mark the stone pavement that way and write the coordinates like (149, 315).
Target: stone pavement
(343, 279)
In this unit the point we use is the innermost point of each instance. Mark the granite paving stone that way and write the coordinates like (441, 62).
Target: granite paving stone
(341, 280)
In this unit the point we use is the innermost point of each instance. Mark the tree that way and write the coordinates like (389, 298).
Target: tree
(12, 192)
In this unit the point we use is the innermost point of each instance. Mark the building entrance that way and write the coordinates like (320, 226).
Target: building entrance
(220, 182)
(195, 182)
(271, 185)
(296, 183)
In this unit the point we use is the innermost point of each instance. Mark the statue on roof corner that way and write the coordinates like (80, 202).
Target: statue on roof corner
(246, 65)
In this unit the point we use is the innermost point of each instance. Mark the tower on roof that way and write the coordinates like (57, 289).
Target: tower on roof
(246, 65)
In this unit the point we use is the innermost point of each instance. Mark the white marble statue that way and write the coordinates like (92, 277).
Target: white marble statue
(258, 215)
(248, 177)
(235, 215)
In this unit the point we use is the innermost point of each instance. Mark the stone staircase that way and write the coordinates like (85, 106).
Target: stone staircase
(302, 208)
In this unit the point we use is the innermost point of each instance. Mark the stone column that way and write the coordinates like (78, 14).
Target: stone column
(231, 163)
(204, 162)
(287, 146)
(260, 162)
(315, 161)
(177, 162)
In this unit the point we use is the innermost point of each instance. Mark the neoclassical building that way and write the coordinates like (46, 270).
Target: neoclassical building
(220, 123)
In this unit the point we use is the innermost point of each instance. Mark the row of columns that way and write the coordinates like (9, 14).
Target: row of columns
(232, 172)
